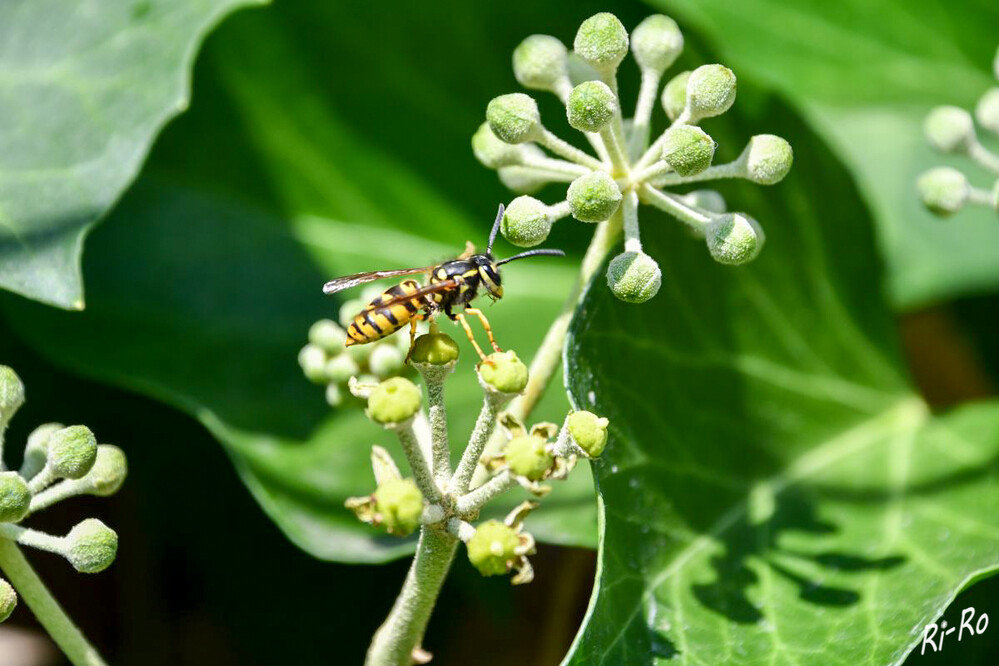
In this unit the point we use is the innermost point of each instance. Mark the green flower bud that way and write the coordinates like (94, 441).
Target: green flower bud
(340, 368)
(634, 277)
(593, 197)
(688, 149)
(386, 360)
(589, 431)
(109, 471)
(656, 43)
(949, 129)
(11, 394)
(504, 372)
(72, 452)
(513, 118)
(768, 159)
(539, 62)
(493, 548)
(707, 200)
(8, 599)
(334, 395)
(492, 152)
(15, 498)
(987, 110)
(395, 400)
(674, 97)
(602, 42)
(591, 106)
(435, 349)
(91, 546)
(943, 190)
(399, 505)
(521, 179)
(327, 335)
(526, 456)
(312, 360)
(734, 238)
(710, 91)
(526, 222)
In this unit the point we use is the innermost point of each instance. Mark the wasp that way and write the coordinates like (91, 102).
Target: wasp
(450, 285)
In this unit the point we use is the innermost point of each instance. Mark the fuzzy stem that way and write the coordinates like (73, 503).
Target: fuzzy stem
(494, 487)
(567, 150)
(48, 611)
(418, 463)
(485, 425)
(559, 210)
(736, 169)
(554, 166)
(983, 156)
(440, 449)
(632, 239)
(403, 629)
(978, 195)
(616, 148)
(41, 480)
(63, 490)
(665, 202)
(639, 139)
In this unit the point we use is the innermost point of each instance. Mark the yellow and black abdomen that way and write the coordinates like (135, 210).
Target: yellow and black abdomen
(378, 320)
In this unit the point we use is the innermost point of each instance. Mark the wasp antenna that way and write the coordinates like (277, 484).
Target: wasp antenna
(532, 253)
(496, 226)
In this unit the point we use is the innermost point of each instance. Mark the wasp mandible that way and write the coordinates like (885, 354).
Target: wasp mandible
(451, 284)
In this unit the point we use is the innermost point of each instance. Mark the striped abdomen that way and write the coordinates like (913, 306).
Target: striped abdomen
(377, 320)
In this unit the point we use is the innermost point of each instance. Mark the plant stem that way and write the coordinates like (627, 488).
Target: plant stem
(418, 463)
(48, 611)
(484, 428)
(403, 629)
(438, 431)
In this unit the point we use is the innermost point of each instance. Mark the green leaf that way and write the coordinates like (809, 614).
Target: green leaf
(773, 490)
(865, 76)
(84, 89)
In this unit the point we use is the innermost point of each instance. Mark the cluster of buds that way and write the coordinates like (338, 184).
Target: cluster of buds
(951, 130)
(628, 169)
(59, 462)
(325, 360)
(438, 497)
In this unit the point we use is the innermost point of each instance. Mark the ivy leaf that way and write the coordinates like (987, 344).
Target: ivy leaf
(773, 489)
(84, 89)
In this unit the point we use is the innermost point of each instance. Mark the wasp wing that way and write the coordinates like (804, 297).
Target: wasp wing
(348, 281)
(419, 293)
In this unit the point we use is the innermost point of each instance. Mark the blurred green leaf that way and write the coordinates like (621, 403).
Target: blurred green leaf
(773, 489)
(864, 75)
(84, 89)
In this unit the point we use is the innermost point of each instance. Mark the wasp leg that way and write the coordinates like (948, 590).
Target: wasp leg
(468, 332)
(412, 333)
(485, 324)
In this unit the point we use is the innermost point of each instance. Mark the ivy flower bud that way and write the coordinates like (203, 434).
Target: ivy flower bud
(312, 360)
(399, 505)
(340, 368)
(526, 222)
(492, 549)
(768, 159)
(944, 190)
(492, 152)
(11, 394)
(526, 456)
(8, 599)
(109, 471)
(591, 106)
(334, 395)
(393, 401)
(521, 179)
(734, 238)
(540, 62)
(602, 42)
(513, 118)
(15, 498)
(707, 200)
(72, 452)
(710, 91)
(688, 149)
(634, 277)
(593, 197)
(92, 546)
(674, 97)
(386, 360)
(327, 335)
(589, 431)
(435, 349)
(987, 110)
(949, 129)
(504, 372)
(656, 43)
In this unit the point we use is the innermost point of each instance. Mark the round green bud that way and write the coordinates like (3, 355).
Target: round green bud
(734, 239)
(15, 498)
(8, 599)
(327, 335)
(589, 431)
(674, 97)
(944, 190)
(435, 349)
(109, 471)
(987, 110)
(688, 149)
(493, 548)
(340, 368)
(634, 277)
(312, 360)
(593, 197)
(513, 118)
(656, 42)
(707, 200)
(591, 106)
(492, 152)
(539, 62)
(72, 452)
(526, 221)
(386, 360)
(710, 91)
(11, 393)
(768, 159)
(91, 546)
(602, 41)
(949, 129)
(526, 456)
(522, 180)
(334, 395)
(504, 372)
(399, 504)
(395, 400)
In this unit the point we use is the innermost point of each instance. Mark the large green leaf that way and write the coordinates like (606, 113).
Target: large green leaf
(865, 75)
(84, 89)
(774, 491)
